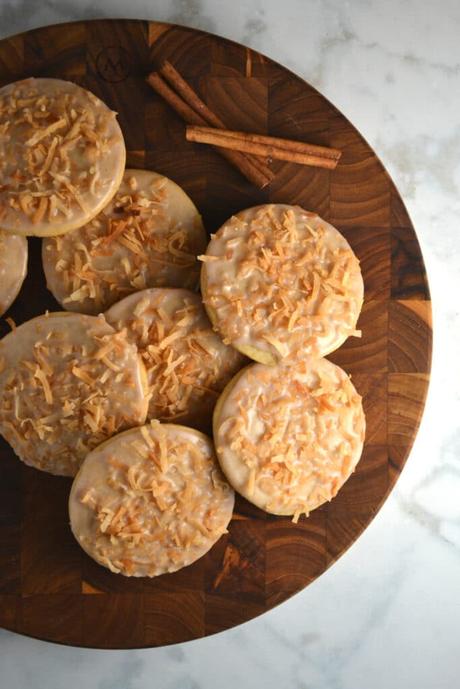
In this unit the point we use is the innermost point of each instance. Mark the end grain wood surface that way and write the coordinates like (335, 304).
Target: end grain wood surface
(48, 587)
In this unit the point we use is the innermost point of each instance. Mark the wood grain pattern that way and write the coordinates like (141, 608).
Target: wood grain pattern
(49, 588)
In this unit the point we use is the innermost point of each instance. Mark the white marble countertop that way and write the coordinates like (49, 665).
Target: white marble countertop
(387, 614)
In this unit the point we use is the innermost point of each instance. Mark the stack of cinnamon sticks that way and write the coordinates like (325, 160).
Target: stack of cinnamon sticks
(249, 153)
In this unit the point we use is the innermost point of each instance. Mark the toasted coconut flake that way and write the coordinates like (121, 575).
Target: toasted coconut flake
(289, 269)
(145, 518)
(297, 432)
(187, 365)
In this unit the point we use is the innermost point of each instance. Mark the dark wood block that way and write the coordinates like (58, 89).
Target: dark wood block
(173, 617)
(297, 113)
(56, 53)
(341, 534)
(135, 159)
(188, 50)
(10, 558)
(372, 245)
(360, 187)
(164, 129)
(228, 60)
(11, 515)
(408, 277)
(53, 617)
(296, 554)
(117, 62)
(368, 353)
(397, 456)
(10, 611)
(240, 102)
(11, 59)
(366, 488)
(50, 556)
(113, 620)
(11, 499)
(237, 565)
(221, 612)
(34, 298)
(185, 170)
(307, 187)
(373, 388)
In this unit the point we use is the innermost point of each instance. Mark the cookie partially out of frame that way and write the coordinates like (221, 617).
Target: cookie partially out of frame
(67, 383)
(288, 437)
(280, 283)
(62, 156)
(151, 500)
(187, 363)
(13, 268)
(149, 235)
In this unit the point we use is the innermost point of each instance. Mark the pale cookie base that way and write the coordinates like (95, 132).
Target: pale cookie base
(67, 383)
(13, 268)
(150, 501)
(71, 160)
(259, 419)
(278, 282)
(148, 236)
(187, 363)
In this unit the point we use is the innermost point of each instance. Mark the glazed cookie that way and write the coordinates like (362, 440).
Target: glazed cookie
(288, 437)
(62, 156)
(67, 382)
(151, 500)
(280, 283)
(148, 236)
(187, 363)
(13, 268)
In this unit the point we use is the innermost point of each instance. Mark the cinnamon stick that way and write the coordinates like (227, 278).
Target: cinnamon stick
(175, 101)
(255, 171)
(170, 73)
(269, 146)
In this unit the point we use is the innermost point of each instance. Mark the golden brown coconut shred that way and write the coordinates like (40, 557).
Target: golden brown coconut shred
(140, 240)
(280, 281)
(289, 438)
(151, 501)
(186, 362)
(54, 405)
(46, 175)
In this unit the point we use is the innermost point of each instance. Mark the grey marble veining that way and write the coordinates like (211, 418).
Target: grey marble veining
(387, 614)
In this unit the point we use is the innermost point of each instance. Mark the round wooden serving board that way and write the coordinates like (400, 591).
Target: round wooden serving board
(48, 587)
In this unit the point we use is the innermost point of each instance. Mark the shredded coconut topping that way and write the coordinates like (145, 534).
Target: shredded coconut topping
(58, 399)
(148, 236)
(282, 281)
(61, 153)
(187, 364)
(150, 501)
(288, 437)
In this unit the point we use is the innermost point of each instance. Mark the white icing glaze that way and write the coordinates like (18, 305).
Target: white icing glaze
(148, 236)
(13, 268)
(67, 382)
(62, 156)
(288, 437)
(282, 281)
(187, 363)
(151, 500)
